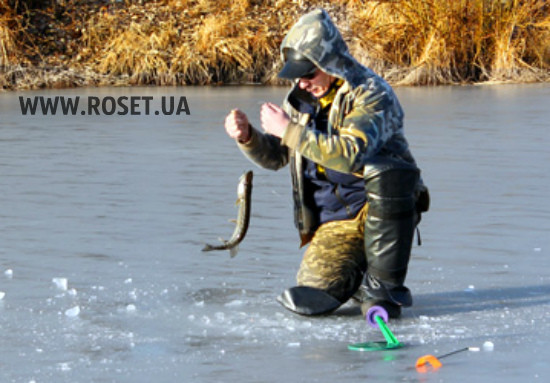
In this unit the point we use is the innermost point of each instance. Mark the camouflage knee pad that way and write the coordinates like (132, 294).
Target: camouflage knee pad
(335, 259)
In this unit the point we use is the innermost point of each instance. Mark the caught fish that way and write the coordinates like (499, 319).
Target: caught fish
(244, 194)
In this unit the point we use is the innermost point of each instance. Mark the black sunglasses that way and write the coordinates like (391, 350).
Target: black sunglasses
(309, 76)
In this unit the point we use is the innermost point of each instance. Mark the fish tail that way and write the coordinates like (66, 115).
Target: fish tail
(208, 247)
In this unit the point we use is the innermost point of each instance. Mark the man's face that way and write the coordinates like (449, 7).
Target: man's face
(317, 85)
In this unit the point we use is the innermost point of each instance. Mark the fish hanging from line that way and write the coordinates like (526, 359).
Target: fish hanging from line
(244, 196)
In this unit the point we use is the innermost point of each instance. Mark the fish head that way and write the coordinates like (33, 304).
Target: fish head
(244, 181)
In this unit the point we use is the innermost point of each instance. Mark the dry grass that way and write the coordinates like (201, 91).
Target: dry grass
(455, 41)
(180, 42)
(9, 24)
(177, 42)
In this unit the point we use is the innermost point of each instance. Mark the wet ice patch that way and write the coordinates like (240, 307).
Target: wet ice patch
(8, 273)
(2, 295)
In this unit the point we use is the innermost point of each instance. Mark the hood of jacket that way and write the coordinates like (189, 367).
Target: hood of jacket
(316, 37)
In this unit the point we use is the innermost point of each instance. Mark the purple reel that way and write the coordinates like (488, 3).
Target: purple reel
(375, 311)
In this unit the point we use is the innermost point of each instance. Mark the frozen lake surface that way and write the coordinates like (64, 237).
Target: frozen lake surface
(103, 218)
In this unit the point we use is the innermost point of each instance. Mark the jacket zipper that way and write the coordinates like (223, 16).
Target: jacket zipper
(339, 196)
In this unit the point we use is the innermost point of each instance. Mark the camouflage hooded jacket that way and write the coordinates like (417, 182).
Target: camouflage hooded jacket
(365, 120)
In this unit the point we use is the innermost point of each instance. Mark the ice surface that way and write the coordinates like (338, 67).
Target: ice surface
(61, 283)
(73, 312)
(97, 200)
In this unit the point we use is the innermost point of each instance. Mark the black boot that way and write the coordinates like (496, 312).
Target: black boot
(306, 300)
(364, 297)
(389, 229)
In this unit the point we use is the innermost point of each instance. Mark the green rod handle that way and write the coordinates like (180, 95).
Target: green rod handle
(390, 338)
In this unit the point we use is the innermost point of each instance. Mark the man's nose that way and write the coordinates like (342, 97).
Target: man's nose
(302, 83)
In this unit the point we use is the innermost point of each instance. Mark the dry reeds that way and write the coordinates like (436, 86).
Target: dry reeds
(455, 41)
(195, 42)
(177, 42)
(9, 22)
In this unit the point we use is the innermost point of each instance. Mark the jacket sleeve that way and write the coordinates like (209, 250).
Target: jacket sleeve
(265, 150)
(355, 136)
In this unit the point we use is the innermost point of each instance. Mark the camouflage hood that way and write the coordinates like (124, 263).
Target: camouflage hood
(316, 37)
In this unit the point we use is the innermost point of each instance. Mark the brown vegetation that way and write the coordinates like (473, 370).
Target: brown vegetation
(456, 41)
(61, 43)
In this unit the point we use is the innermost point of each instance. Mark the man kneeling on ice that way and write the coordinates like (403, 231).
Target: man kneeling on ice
(357, 190)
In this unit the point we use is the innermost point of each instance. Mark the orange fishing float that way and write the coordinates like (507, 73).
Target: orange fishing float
(424, 363)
